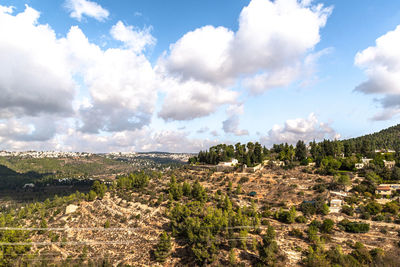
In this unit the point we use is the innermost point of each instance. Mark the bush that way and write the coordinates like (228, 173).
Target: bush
(347, 210)
(296, 232)
(327, 226)
(301, 219)
(354, 227)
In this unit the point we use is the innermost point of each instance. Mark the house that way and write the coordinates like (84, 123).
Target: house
(230, 163)
(366, 161)
(393, 186)
(359, 166)
(383, 190)
(335, 205)
(389, 164)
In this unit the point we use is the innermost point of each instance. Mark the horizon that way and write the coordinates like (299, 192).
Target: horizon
(91, 76)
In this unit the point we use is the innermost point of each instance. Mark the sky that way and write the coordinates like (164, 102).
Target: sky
(181, 76)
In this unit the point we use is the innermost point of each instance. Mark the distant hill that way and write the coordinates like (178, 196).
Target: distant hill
(385, 139)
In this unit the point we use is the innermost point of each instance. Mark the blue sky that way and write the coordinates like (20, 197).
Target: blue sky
(181, 76)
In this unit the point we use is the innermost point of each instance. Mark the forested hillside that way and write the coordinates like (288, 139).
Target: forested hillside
(386, 139)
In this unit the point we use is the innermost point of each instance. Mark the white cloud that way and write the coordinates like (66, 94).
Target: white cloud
(271, 48)
(123, 92)
(381, 64)
(35, 77)
(135, 39)
(80, 8)
(192, 99)
(231, 125)
(121, 81)
(28, 129)
(299, 129)
(37, 72)
(272, 40)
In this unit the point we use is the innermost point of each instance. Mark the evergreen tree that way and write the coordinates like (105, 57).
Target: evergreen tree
(301, 151)
(163, 248)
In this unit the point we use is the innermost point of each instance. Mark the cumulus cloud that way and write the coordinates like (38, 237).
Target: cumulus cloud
(121, 81)
(35, 77)
(192, 99)
(269, 47)
(80, 8)
(123, 92)
(135, 39)
(299, 129)
(381, 64)
(37, 73)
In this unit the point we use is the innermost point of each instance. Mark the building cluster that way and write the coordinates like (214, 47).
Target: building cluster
(43, 154)
(365, 163)
(184, 157)
(387, 189)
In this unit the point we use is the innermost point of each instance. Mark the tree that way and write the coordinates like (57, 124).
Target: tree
(163, 248)
(99, 188)
(301, 151)
(327, 226)
(92, 195)
(268, 250)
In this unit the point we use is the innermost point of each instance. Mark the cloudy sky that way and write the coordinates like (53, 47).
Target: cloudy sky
(180, 76)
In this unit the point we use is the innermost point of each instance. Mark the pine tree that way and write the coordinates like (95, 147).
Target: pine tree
(163, 248)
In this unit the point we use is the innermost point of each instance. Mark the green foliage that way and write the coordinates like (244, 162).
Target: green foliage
(163, 248)
(314, 207)
(301, 151)
(354, 227)
(232, 257)
(250, 154)
(133, 180)
(327, 226)
(92, 195)
(347, 210)
(269, 250)
(373, 208)
(391, 207)
(99, 188)
(330, 165)
(301, 219)
(287, 216)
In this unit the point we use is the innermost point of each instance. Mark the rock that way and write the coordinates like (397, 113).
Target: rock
(71, 208)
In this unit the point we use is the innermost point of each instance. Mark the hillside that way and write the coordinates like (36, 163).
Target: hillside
(385, 139)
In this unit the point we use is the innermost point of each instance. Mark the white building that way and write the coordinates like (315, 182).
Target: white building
(359, 166)
(389, 163)
(335, 205)
(231, 163)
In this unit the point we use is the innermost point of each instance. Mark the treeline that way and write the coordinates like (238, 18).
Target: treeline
(249, 154)
(328, 155)
(385, 139)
